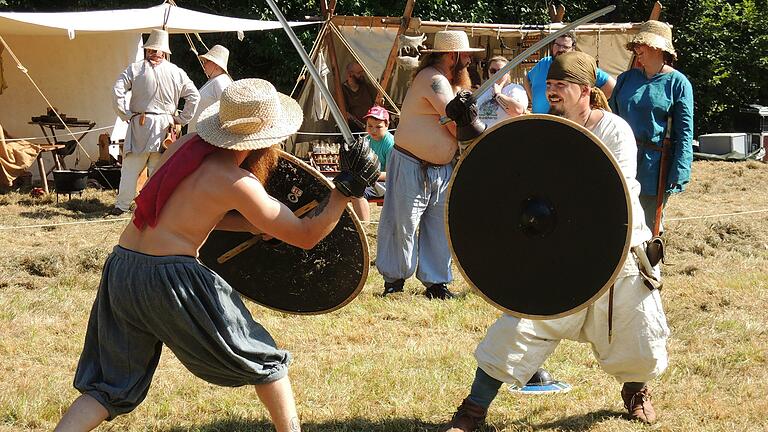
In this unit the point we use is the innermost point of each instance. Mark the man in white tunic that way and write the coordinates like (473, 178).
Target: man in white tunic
(215, 68)
(146, 95)
(514, 348)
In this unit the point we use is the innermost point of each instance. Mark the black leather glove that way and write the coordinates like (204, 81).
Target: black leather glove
(359, 168)
(463, 110)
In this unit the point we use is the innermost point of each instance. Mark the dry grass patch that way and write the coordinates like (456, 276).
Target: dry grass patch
(404, 363)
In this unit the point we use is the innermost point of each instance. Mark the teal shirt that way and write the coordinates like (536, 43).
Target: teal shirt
(382, 148)
(645, 104)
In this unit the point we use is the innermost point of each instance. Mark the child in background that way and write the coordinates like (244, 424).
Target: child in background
(381, 142)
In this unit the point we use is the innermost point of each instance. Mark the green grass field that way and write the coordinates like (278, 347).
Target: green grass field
(404, 363)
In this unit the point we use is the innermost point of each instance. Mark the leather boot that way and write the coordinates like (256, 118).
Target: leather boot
(639, 405)
(469, 417)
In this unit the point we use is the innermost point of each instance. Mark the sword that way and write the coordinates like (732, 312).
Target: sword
(525, 54)
(335, 111)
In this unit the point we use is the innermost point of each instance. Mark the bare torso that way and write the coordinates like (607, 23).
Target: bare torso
(419, 130)
(205, 199)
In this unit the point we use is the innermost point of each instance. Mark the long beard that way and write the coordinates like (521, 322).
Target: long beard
(461, 78)
(262, 162)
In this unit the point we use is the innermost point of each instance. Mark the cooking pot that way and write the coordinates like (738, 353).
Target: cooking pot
(69, 181)
(108, 176)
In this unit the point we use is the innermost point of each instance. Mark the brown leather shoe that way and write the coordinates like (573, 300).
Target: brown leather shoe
(639, 405)
(469, 417)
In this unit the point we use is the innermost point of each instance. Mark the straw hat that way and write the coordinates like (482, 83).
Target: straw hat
(451, 41)
(655, 34)
(250, 115)
(158, 40)
(219, 55)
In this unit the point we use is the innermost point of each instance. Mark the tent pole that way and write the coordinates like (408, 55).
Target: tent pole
(337, 114)
(404, 24)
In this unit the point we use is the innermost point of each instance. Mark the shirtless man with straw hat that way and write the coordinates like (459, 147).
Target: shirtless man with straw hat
(419, 170)
(155, 292)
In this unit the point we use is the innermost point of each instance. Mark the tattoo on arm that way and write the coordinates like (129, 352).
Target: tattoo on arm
(440, 85)
(294, 425)
(320, 207)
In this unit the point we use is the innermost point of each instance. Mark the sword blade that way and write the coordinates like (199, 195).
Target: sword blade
(533, 48)
(335, 111)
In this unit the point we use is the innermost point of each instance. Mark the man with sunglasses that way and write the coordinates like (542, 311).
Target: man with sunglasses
(504, 100)
(536, 82)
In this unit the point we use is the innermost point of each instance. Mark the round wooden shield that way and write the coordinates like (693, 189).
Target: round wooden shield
(284, 277)
(538, 217)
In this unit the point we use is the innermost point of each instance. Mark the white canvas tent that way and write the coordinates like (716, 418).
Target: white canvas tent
(372, 39)
(75, 58)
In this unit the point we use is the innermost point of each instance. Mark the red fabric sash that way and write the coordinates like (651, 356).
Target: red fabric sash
(163, 182)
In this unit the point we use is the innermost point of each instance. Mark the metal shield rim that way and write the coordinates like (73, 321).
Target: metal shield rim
(360, 232)
(627, 240)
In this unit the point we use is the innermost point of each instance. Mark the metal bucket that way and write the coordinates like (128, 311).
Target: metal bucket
(108, 176)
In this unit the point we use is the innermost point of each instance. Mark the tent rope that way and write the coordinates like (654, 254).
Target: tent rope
(186, 35)
(54, 136)
(312, 54)
(50, 105)
(368, 73)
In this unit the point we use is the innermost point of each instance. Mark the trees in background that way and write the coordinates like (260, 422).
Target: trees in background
(722, 44)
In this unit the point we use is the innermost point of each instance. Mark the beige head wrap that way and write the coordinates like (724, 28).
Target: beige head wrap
(579, 68)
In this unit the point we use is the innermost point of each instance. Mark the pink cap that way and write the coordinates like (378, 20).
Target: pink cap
(377, 112)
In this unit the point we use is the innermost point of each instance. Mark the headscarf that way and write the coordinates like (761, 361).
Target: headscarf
(579, 68)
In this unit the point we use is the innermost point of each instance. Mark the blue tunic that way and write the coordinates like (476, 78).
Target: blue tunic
(645, 104)
(537, 77)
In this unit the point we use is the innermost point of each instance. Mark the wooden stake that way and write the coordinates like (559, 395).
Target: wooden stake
(404, 24)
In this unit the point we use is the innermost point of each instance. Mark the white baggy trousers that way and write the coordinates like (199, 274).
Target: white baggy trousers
(133, 165)
(514, 348)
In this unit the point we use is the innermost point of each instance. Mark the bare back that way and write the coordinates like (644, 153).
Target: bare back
(419, 130)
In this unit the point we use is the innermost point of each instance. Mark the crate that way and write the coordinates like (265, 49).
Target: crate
(724, 143)
(752, 119)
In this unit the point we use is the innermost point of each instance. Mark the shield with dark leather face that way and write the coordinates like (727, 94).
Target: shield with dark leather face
(284, 277)
(539, 217)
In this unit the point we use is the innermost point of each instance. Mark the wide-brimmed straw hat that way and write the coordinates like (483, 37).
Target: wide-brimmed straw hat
(655, 34)
(218, 55)
(158, 40)
(451, 41)
(250, 115)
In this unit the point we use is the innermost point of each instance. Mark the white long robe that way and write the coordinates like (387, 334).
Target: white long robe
(155, 91)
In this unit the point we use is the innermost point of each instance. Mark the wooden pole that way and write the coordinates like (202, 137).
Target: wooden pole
(404, 24)
(327, 9)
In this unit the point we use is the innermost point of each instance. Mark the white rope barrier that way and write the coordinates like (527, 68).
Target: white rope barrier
(372, 222)
(716, 215)
(335, 133)
(90, 221)
(55, 136)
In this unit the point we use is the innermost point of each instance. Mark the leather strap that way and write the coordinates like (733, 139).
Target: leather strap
(418, 159)
(610, 313)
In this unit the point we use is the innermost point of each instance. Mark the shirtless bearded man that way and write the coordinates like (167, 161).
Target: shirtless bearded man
(419, 170)
(154, 291)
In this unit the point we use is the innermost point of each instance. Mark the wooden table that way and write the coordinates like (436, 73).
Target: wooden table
(54, 144)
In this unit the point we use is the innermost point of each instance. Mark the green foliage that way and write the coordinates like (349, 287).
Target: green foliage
(726, 57)
(721, 44)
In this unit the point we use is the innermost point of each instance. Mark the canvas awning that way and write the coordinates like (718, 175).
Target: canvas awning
(180, 20)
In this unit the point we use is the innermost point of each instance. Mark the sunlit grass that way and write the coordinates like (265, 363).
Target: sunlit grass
(404, 363)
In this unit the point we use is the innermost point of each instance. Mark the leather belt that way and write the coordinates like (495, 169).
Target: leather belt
(422, 162)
